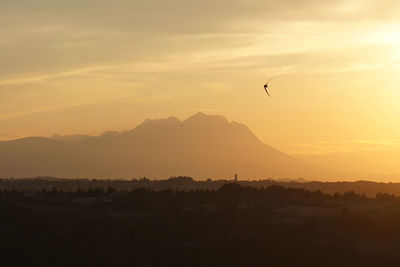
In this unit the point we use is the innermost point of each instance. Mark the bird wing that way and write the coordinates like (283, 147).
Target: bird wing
(267, 91)
(269, 81)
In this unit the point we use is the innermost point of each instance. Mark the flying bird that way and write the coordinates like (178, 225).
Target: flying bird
(266, 87)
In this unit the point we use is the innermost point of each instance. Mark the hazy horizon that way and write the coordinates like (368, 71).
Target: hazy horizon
(374, 165)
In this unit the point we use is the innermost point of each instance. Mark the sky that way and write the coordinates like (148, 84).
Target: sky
(87, 67)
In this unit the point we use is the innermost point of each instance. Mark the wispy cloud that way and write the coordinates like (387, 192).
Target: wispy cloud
(38, 78)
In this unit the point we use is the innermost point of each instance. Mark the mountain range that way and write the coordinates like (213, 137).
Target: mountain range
(202, 146)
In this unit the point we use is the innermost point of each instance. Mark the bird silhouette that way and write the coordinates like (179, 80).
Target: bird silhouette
(266, 87)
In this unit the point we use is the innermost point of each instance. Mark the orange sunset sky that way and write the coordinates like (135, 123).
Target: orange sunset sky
(87, 67)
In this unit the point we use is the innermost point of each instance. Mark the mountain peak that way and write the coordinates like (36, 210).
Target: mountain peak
(201, 118)
(169, 120)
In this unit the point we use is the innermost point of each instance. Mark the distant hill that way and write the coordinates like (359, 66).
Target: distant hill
(201, 146)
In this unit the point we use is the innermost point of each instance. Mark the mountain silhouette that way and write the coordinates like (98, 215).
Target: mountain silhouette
(201, 146)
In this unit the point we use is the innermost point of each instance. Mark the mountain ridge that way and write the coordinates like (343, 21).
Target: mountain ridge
(207, 146)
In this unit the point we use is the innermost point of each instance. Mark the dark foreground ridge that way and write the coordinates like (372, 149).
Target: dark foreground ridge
(234, 225)
(184, 183)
